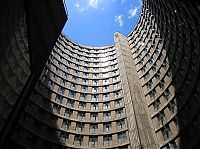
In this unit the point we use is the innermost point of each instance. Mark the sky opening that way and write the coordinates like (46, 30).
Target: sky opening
(94, 22)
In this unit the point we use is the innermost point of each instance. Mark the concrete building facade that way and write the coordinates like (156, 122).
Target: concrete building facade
(140, 93)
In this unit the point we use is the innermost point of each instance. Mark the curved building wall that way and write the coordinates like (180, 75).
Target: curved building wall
(165, 49)
(141, 92)
(14, 63)
(80, 93)
(24, 32)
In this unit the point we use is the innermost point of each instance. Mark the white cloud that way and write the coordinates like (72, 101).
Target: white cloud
(93, 3)
(123, 1)
(79, 8)
(119, 20)
(132, 12)
(86, 5)
(140, 1)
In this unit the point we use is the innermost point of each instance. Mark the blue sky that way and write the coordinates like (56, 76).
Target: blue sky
(94, 22)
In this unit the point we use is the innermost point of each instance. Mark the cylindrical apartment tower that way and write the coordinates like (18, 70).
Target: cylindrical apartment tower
(140, 93)
(78, 102)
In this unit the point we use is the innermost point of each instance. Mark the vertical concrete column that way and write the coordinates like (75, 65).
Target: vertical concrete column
(139, 127)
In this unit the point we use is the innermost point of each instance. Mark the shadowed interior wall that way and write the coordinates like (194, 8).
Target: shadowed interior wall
(26, 29)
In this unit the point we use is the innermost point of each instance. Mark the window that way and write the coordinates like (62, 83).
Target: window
(143, 69)
(81, 115)
(73, 86)
(95, 82)
(61, 90)
(63, 81)
(105, 69)
(115, 79)
(59, 99)
(157, 51)
(106, 88)
(157, 75)
(93, 141)
(72, 94)
(106, 116)
(105, 96)
(122, 137)
(78, 61)
(153, 94)
(94, 106)
(118, 112)
(166, 94)
(117, 94)
(66, 124)
(114, 73)
(93, 128)
(77, 66)
(56, 69)
(95, 89)
(146, 76)
(107, 140)
(82, 105)
(164, 65)
(84, 88)
(85, 69)
(148, 55)
(172, 106)
(43, 79)
(68, 113)
(118, 103)
(105, 81)
(95, 97)
(51, 85)
(160, 58)
(56, 109)
(162, 84)
(161, 117)
(85, 74)
(154, 67)
(95, 69)
(79, 127)
(169, 74)
(83, 96)
(95, 75)
(65, 75)
(76, 72)
(70, 103)
(63, 137)
(120, 124)
(176, 121)
(166, 131)
(106, 106)
(107, 127)
(74, 79)
(151, 61)
(156, 104)
(85, 81)
(78, 139)
(96, 63)
(87, 63)
(149, 84)
(79, 56)
(67, 69)
(141, 62)
(172, 145)
(94, 116)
